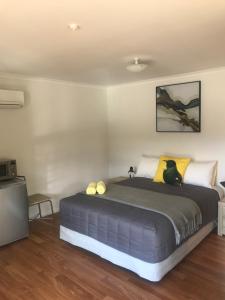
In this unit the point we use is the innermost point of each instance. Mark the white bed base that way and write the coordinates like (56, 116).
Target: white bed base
(149, 271)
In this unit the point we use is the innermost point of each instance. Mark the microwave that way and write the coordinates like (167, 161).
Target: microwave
(7, 169)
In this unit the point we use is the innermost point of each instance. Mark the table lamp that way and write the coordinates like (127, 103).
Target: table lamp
(131, 172)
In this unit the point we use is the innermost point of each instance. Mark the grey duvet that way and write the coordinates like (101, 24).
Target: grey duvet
(142, 233)
(184, 214)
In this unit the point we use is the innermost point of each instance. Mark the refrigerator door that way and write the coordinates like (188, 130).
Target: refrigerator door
(13, 211)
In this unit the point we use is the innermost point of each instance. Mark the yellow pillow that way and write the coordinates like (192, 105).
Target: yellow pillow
(181, 163)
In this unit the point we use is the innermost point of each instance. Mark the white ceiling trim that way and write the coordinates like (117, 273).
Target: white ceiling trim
(150, 80)
(57, 81)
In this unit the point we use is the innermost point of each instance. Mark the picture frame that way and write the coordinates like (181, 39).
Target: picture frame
(178, 107)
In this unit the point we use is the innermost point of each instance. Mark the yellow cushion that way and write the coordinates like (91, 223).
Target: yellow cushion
(181, 163)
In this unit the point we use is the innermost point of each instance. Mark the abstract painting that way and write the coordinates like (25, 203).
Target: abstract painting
(178, 107)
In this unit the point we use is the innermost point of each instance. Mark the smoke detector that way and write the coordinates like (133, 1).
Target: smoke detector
(136, 65)
(74, 26)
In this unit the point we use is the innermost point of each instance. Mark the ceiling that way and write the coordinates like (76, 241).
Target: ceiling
(175, 36)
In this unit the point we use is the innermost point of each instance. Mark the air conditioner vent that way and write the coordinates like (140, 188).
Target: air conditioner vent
(11, 99)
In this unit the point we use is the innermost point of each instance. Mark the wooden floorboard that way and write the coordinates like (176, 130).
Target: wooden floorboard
(44, 267)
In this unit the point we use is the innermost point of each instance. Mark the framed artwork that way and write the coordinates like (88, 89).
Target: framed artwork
(178, 107)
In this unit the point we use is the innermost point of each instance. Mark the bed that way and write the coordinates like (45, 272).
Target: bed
(148, 240)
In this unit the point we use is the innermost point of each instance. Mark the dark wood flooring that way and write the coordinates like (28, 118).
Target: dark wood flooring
(43, 267)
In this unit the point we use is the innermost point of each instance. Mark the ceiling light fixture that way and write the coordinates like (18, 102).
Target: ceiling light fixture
(136, 65)
(74, 26)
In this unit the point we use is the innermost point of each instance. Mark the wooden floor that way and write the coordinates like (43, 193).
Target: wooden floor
(43, 267)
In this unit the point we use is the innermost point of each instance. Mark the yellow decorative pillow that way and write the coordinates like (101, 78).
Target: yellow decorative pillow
(181, 163)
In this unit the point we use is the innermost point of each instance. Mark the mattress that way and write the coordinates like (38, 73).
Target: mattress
(139, 233)
(150, 271)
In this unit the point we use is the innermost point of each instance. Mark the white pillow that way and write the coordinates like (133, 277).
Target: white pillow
(201, 173)
(147, 167)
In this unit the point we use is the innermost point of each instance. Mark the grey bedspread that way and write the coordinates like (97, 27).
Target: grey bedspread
(141, 233)
(183, 213)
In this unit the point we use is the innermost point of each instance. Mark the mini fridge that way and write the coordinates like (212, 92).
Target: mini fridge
(13, 211)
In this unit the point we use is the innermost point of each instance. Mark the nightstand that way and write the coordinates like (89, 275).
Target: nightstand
(116, 179)
(221, 217)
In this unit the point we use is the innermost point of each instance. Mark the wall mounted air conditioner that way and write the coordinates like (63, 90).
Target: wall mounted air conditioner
(11, 99)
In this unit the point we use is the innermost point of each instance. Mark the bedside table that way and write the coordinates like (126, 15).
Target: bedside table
(221, 217)
(117, 179)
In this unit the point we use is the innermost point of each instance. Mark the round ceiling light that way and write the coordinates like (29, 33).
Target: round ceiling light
(136, 65)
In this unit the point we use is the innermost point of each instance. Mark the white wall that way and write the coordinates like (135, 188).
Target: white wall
(132, 118)
(59, 138)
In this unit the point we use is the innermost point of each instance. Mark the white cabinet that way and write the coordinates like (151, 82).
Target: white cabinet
(221, 218)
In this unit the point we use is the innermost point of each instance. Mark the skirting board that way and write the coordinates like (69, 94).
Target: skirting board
(149, 271)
